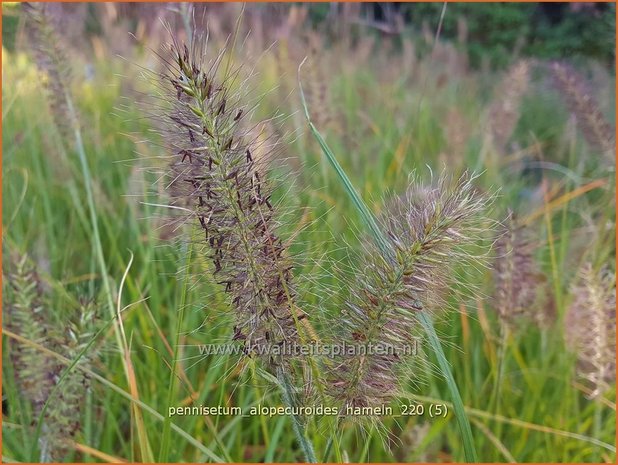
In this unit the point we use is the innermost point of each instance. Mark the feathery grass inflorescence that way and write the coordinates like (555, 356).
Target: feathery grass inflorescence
(53, 62)
(221, 182)
(457, 132)
(63, 413)
(318, 84)
(518, 279)
(25, 314)
(504, 110)
(37, 374)
(430, 231)
(597, 131)
(590, 327)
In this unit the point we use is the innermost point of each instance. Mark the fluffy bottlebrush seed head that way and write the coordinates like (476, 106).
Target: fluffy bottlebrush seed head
(24, 314)
(218, 178)
(518, 279)
(52, 61)
(504, 111)
(63, 414)
(457, 132)
(318, 85)
(597, 131)
(27, 314)
(590, 327)
(430, 230)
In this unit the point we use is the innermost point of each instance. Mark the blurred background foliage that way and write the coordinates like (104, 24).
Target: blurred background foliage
(491, 34)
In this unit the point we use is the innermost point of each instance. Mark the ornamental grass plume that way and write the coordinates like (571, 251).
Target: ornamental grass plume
(63, 414)
(27, 314)
(222, 184)
(431, 230)
(518, 279)
(24, 313)
(318, 83)
(590, 327)
(53, 63)
(504, 110)
(597, 131)
(219, 180)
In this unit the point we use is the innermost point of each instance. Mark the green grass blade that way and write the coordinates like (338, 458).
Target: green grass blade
(370, 221)
(360, 205)
(165, 436)
(458, 406)
(297, 426)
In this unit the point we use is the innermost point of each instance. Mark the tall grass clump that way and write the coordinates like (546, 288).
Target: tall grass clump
(53, 63)
(188, 146)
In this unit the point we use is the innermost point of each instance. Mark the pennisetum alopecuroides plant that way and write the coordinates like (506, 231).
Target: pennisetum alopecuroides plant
(590, 327)
(517, 276)
(24, 313)
(430, 231)
(52, 61)
(218, 178)
(396, 257)
(224, 186)
(504, 110)
(55, 397)
(595, 127)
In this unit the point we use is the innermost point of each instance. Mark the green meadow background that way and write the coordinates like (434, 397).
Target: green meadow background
(391, 99)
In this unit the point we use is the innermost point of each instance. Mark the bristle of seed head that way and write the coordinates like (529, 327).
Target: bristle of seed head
(590, 327)
(220, 180)
(597, 131)
(430, 231)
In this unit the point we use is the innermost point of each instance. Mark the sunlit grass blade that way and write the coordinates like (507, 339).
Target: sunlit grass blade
(165, 437)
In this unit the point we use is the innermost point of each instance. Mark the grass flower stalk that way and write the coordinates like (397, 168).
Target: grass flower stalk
(597, 131)
(590, 327)
(517, 276)
(429, 231)
(51, 60)
(25, 314)
(56, 397)
(219, 179)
